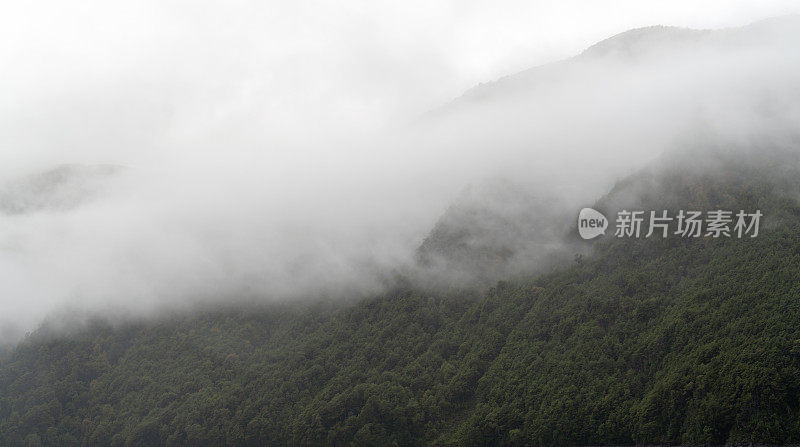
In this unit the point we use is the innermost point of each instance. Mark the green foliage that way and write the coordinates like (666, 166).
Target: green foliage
(649, 341)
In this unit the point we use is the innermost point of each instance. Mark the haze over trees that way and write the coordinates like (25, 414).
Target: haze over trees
(498, 326)
(676, 340)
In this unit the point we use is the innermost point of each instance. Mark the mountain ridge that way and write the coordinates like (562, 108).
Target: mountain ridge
(628, 43)
(647, 341)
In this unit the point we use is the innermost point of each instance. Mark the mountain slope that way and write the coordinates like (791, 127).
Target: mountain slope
(57, 189)
(632, 46)
(493, 231)
(646, 341)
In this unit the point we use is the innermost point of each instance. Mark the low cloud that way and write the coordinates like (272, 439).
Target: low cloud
(222, 194)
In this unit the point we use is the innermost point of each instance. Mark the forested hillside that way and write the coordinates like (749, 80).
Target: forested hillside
(675, 340)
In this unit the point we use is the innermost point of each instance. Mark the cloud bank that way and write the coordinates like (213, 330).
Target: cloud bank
(244, 173)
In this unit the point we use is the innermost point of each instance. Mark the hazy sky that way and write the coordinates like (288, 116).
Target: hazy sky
(158, 64)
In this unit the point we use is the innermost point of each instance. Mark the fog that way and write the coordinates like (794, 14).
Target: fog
(158, 156)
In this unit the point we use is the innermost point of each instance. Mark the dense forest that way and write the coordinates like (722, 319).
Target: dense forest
(643, 341)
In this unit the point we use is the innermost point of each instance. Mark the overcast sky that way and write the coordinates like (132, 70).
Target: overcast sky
(158, 65)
